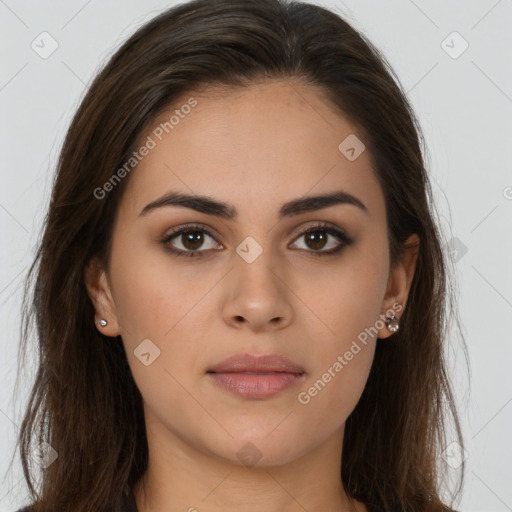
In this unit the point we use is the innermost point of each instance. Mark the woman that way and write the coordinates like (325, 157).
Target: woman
(240, 295)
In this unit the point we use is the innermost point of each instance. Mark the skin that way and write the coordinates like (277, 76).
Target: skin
(255, 148)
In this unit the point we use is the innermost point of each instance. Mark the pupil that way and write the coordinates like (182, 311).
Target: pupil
(314, 235)
(189, 238)
(316, 239)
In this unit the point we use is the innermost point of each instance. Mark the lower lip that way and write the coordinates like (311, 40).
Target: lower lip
(263, 385)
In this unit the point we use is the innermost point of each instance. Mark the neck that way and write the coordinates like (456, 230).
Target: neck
(185, 479)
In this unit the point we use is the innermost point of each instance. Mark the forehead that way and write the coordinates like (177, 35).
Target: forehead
(259, 145)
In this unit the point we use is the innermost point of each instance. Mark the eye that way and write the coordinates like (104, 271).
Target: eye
(316, 238)
(192, 238)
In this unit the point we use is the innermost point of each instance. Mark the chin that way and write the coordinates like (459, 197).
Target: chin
(261, 449)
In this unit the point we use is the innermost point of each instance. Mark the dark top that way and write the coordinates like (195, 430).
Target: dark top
(129, 501)
(129, 504)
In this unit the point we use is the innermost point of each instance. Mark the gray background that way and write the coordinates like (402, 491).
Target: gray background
(464, 105)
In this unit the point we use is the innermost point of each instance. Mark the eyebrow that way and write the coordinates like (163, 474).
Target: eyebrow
(210, 206)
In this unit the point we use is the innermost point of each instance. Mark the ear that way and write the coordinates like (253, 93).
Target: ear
(98, 289)
(399, 283)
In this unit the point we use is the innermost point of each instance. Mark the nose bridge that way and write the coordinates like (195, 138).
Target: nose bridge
(253, 255)
(257, 289)
(256, 264)
(252, 249)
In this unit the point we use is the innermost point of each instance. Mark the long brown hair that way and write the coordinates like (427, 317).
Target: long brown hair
(84, 402)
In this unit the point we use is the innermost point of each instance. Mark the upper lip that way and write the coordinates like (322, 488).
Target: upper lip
(257, 364)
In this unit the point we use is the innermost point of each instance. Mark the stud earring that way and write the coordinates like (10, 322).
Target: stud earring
(393, 323)
(103, 323)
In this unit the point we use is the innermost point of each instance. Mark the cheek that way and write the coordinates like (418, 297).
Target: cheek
(333, 393)
(155, 301)
(343, 299)
(151, 294)
(340, 373)
(346, 317)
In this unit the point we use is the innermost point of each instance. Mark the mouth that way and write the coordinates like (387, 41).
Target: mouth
(248, 363)
(256, 377)
(255, 385)
(256, 373)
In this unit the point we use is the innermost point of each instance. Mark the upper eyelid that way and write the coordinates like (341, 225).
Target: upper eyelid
(189, 227)
(211, 232)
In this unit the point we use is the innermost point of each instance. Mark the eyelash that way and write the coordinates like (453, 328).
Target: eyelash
(324, 226)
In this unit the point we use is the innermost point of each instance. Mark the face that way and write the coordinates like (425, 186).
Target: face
(250, 281)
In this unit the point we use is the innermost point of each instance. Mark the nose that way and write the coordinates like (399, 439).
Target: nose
(257, 296)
